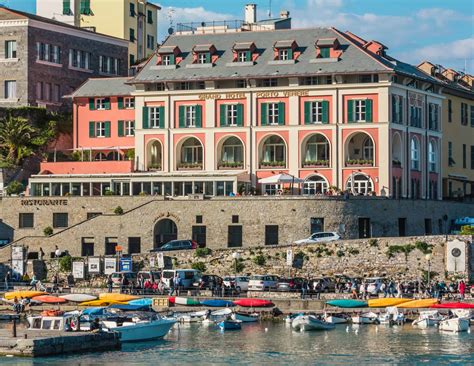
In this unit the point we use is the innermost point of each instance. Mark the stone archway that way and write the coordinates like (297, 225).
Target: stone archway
(165, 230)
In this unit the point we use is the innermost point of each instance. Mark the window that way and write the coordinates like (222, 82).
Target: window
(101, 104)
(85, 7)
(428, 227)
(26, 220)
(450, 110)
(316, 112)
(359, 110)
(317, 150)
(232, 153)
(472, 115)
(315, 185)
(317, 224)
(235, 219)
(79, 59)
(198, 219)
(464, 156)
(268, 83)
(199, 235)
(39, 90)
(132, 35)
(433, 110)
(242, 83)
(190, 116)
(110, 245)
(204, 58)
(47, 91)
(132, 60)
(231, 115)
(234, 238)
(365, 230)
(129, 103)
(432, 156)
(271, 189)
(129, 128)
(149, 17)
(416, 116)
(464, 114)
(10, 89)
(272, 113)
(450, 154)
(132, 9)
(274, 152)
(60, 220)
(472, 162)
(324, 52)
(167, 60)
(368, 149)
(150, 42)
(67, 7)
(415, 154)
(56, 93)
(284, 55)
(134, 245)
(271, 234)
(99, 129)
(155, 117)
(316, 80)
(109, 65)
(397, 108)
(10, 49)
(402, 222)
(244, 56)
(359, 184)
(191, 152)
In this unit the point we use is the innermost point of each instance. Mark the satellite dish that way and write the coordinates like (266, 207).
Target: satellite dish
(170, 30)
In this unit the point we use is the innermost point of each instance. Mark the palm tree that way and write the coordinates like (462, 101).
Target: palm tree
(16, 137)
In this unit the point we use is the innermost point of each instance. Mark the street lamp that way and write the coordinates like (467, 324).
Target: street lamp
(236, 256)
(428, 258)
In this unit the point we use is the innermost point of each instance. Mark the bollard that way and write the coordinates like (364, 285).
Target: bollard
(14, 328)
(26, 336)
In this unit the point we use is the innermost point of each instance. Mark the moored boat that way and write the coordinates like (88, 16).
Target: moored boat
(386, 302)
(230, 324)
(24, 294)
(195, 317)
(217, 303)
(392, 316)
(310, 322)
(253, 303)
(427, 319)
(422, 303)
(365, 318)
(100, 302)
(146, 301)
(117, 297)
(49, 299)
(453, 305)
(347, 303)
(454, 325)
(78, 297)
(336, 318)
(289, 319)
(245, 317)
(188, 301)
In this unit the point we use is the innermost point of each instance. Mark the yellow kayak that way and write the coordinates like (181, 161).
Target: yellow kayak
(100, 303)
(24, 294)
(389, 301)
(423, 303)
(117, 297)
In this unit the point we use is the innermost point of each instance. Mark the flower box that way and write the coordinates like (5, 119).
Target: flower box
(230, 166)
(359, 162)
(272, 165)
(316, 164)
(189, 166)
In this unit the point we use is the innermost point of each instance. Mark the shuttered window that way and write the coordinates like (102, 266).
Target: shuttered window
(190, 116)
(359, 110)
(231, 115)
(316, 112)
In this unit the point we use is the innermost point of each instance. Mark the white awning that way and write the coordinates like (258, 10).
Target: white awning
(281, 179)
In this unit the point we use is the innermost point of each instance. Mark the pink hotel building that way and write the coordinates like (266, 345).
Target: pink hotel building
(212, 113)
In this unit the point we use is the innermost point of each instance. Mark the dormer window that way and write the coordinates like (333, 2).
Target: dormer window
(327, 48)
(243, 51)
(203, 54)
(285, 54)
(204, 58)
(167, 60)
(324, 52)
(285, 50)
(168, 55)
(243, 56)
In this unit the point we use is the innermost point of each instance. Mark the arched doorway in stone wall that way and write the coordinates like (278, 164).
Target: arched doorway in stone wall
(165, 230)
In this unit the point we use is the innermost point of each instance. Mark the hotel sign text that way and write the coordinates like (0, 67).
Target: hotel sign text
(264, 94)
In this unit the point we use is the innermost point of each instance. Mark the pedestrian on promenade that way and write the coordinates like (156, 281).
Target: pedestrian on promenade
(399, 289)
(362, 290)
(41, 254)
(8, 277)
(57, 252)
(34, 282)
(109, 283)
(177, 284)
(383, 288)
(462, 289)
(303, 289)
(317, 289)
(124, 283)
(56, 283)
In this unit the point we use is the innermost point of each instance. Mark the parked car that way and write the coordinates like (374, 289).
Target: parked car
(209, 282)
(241, 283)
(117, 278)
(263, 283)
(188, 277)
(156, 275)
(328, 284)
(290, 284)
(176, 245)
(373, 285)
(322, 237)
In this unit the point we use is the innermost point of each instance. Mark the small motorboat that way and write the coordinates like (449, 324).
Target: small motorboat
(59, 322)
(392, 317)
(365, 318)
(195, 317)
(246, 317)
(137, 328)
(454, 325)
(310, 322)
(427, 319)
(217, 316)
(230, 324)
(336, 318)
(289, 319)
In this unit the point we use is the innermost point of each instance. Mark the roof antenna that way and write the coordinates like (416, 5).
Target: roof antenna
(270, 9)
(170, 17)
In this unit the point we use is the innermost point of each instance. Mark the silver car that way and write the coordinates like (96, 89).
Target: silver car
(241, 283)
(322, 237)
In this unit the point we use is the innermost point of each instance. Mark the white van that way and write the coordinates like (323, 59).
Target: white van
(188, 277)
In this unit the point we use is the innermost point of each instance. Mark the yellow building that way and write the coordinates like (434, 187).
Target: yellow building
(458, 130)
(134, 20)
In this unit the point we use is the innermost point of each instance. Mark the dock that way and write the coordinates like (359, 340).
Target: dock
(33, 343)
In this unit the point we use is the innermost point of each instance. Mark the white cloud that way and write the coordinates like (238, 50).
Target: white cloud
(459, 50)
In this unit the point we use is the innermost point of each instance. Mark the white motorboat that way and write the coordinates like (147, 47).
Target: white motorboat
(365, 318)
(454, 325)
(137, 329)
(195, 317)
(246, 317)
(427, 319)
(310, 322)
(289, 318)
(392, 316)
(336, 318)
(60, 323)
(217, 316)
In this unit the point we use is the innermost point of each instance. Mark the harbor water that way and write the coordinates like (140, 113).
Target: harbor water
(277, 343)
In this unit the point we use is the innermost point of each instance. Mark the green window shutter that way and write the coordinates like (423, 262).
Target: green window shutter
(290, 54)
(281, 113)
(198, 116)
(145, 113)
(400, 111)
(350, 111)
(91, 129)
(107, 129)
(91, 104)
(66, 7)
(172, 59)
(162, 116)
(394, 111)
(120, 129)
(107, 103)
(120, 103)
(324, 52)
(223, 117)
(208, 57)
(248, 56)
(307, 113)
(182, 114)
(325, 107)
(368, 110)
(263, 114)
(240, 114)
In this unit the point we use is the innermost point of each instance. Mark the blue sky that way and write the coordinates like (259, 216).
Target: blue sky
(441, 31)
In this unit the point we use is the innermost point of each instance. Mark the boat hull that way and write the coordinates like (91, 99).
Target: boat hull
(246, 318)
(144, 331)
(253, 303)
(453, 305)
(336, 320)
(217, 303)
(309, 323)
(454, 325)
(386, 302)
(347, 303)
(230, 325)
(423, 303)
(78, 297)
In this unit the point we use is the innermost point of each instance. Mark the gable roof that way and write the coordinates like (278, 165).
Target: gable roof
(104, 87)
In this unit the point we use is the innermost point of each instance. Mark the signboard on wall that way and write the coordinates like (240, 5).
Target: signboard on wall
(125, 264)
(17, 253)
(161, 260)
(289, 257)
(78, 270)
(152, 262)
(93, 265)
(110, 265)
(18, 264)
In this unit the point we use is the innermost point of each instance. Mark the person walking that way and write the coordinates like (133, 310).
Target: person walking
(303, 289)
(41, 254)
(56, 283)
(57, 252)
(177, 284)
(109, 283)
(462, 289)
(34, 282)
(8, 277)
(399, 289)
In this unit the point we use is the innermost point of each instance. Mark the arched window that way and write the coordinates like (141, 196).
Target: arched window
(397, 151)
(432, 156)
(368, 153)
(359, 150)
(100, 157)
(359, 184)
(154, 155)
(315, 185)
(232, 152)
(415, 153)
(274, 152)
(316, 151)
(191, 152)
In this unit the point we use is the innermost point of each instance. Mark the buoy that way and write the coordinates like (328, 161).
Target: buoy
(347, 329)
(266, 329)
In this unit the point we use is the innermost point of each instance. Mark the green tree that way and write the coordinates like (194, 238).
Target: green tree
(15, 187)
(467, 230)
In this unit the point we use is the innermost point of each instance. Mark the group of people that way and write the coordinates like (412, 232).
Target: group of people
(19, 305)
(150, 285)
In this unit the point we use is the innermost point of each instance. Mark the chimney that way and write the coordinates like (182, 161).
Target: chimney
(251, 13)
(284, 14)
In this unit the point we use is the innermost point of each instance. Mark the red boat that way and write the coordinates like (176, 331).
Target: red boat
(171, 299)
(253, 303)
(453, 305)
(49, 299)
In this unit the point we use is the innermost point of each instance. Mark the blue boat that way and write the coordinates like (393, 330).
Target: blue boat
(348, 303)
(217, 303)
(146, 301)
(94, 311)
(246, 317)
(126, 307)
(230, 325)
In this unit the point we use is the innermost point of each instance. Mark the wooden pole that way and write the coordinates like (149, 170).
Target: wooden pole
(14, 328)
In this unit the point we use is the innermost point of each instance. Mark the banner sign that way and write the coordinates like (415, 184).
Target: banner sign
(110, 265)
(94, 265)
(78, 270)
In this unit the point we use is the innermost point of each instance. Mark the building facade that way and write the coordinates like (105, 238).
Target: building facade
(458, 130)
(43, 60)
(214, 114)
(133, 20)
